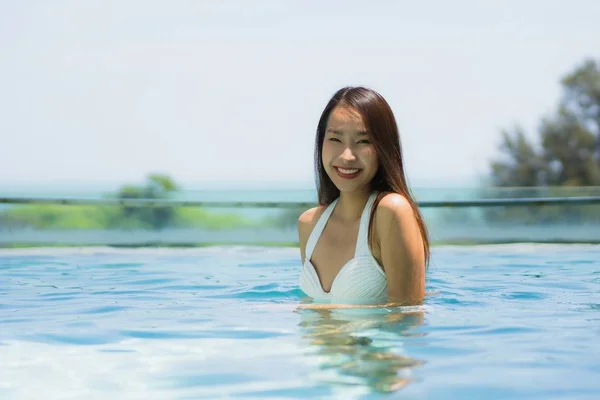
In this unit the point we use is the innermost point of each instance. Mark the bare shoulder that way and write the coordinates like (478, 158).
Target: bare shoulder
(394, 207)
(395, 219)
(402, 248)
(311, 215)
(308, 219)
(306, 223)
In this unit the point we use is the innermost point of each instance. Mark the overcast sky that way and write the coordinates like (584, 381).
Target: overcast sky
(230, 92)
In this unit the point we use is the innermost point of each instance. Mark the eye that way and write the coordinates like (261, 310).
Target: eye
(334, 139)
(364, 141)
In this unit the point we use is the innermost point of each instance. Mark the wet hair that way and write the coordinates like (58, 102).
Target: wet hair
(383, 133)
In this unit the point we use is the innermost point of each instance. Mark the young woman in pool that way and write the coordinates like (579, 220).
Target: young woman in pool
(366, 243)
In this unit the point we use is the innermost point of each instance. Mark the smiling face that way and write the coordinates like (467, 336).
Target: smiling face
(348, 156)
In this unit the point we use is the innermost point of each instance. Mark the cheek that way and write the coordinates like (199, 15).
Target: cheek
(370, 158)
(326, 150)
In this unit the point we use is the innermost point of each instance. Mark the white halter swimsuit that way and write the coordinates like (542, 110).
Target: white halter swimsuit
(361, 279)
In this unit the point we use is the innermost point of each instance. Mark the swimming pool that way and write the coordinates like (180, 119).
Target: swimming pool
(506, 321)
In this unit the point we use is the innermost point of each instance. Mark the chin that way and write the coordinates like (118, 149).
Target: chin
(350, 187)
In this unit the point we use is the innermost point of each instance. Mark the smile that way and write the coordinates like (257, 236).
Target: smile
(347, 173)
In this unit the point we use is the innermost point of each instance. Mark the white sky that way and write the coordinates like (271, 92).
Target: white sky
(231, 91)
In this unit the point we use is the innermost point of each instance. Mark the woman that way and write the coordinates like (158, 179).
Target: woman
(366, 243)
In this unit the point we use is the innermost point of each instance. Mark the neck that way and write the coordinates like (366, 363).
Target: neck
(351, 204)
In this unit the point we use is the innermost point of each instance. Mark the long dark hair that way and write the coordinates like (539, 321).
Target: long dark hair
(381, 124)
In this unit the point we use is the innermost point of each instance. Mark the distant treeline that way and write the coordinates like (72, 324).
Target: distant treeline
(157, 186)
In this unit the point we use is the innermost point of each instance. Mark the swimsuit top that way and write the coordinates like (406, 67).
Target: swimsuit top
(361, 279)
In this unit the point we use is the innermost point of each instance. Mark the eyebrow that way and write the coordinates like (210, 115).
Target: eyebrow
(338, 132)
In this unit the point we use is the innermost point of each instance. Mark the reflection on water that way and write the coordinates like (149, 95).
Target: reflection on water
(362, 346)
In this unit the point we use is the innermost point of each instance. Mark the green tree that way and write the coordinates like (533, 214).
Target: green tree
(157, 186)
(567, 153)
(523, 166)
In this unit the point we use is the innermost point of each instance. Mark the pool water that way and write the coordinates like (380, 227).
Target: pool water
(504, 322)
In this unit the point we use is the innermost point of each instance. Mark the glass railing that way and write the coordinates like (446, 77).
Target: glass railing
(268, 217)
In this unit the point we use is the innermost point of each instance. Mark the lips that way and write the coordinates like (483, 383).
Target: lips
(347, 173)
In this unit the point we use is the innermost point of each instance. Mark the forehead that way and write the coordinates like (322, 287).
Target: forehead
(345, 118)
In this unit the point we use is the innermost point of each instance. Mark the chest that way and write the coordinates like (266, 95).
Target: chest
(335, 248)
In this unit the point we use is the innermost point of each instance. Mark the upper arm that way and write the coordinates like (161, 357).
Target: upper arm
(306, 223)
(402, 252)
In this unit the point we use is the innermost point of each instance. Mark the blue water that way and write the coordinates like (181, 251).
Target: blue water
(504, 322)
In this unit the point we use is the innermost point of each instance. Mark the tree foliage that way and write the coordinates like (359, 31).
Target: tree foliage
(157, 186)
(566, 154)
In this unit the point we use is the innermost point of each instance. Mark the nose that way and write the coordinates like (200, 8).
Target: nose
(347, 155)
